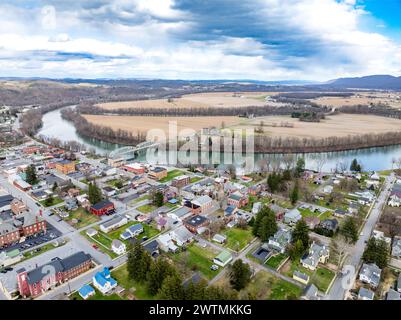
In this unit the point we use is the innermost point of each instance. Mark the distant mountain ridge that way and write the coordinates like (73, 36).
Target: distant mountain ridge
(368, 82)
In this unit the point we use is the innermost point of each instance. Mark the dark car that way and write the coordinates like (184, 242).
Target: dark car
(8, 269)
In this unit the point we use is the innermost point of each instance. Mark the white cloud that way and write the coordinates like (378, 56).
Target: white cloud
(321, 39)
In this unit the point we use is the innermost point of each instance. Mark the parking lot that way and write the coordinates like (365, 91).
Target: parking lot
(51, 234)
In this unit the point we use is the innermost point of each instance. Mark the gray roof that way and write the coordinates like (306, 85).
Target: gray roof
(301, 275)
(60, 265)
(180, 212)
(393, 295)
(372, 272)
(202, 200)
(113, 221)
(366, 293)
(310, 292)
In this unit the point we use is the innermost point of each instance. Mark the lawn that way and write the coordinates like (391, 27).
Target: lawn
(146, 208)
(139, 289)
(171, 175)
(102, 242)
(322, 278)
(238, 238)
(195, 179)
(145, 197)
(308, 213)
(265, 286)
(56, 200)
(84, 218)
(283, 290)
(196, 258)
(275, 261)
(148, 231)
(98, 296)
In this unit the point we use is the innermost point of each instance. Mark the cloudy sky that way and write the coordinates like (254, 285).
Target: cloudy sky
(200, 39)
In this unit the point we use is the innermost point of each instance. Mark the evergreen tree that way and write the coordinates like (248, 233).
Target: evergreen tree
(94, 193)
(55, 186)
(376, 251)
(294, 196)
(196, 291)
(301, 233)
(219, 293)
(49, 200)
(300, 167)
(296, 250)
(240, 275)
(265, 224)
(350, 229)
(31, 177)
(172, 288)
(158, 271)
(158, 199)
(355, 166)
(138, 263)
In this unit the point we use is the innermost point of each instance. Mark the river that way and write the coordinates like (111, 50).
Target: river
(371, 159)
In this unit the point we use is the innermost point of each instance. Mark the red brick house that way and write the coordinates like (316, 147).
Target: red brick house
(102, 207)
(237, 199)
(46, 277)
(181, 181)
(193, 223)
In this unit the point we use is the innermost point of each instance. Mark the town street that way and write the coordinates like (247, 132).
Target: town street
(337, 291)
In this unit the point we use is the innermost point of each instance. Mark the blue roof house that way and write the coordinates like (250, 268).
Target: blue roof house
(86, 292)
(103, 281)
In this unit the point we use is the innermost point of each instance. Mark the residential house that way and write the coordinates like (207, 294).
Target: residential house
(103, 281)
(396, 249)
(86, 292)
(132, 231)
(310, 292)
(137, 181)
(166, 243)
(109, 191)
(328, 189)
(257, 206)
(152, 248)
(200, 205)
(312, 221)
(370, 274)
(317, 254)
(230, 211)
(181, 236)
(91, 232)
(219, 238)
(35, 282)
(102, 207)
(113, 224)
(224, 258)
(365, 294)
(379, 235)
(5, 202)
(237, 199)
(18, 207)
(329, 225)
(70, 204)
(301, 277)
(195, 222)
(292, 216)
(262, 253)
(393, 295)
(280, 240)
(340, 213)
(278, 211)
(118, 247)
(180, 213)
(73, 192)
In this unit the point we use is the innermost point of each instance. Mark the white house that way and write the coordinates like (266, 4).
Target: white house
(118, 247)
(292, 217)
(113, 224)
(166, 243)
(317, 253)
(181, 236)
(103, 281)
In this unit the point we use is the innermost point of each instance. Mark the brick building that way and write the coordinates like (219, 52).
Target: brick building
(157, 173)
(181, 181)
(65, 166)
(102, 207)
(46, 277)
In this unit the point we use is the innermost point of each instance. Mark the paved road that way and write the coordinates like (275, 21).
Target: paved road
(337, 291)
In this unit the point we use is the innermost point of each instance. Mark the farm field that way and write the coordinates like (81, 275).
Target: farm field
(340, 125)
(361, 98)
(199, 100)
(137, 124)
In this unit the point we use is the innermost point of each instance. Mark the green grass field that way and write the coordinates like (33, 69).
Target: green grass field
(56, 200)
(43, 249)
(196, 258)
(237, 238)
(139, 289)
(146, 208)
(275, 261)
(322, 278)
(84, 218)
(171, 175)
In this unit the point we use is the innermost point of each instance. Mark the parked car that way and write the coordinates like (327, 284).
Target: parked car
(214, 267)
